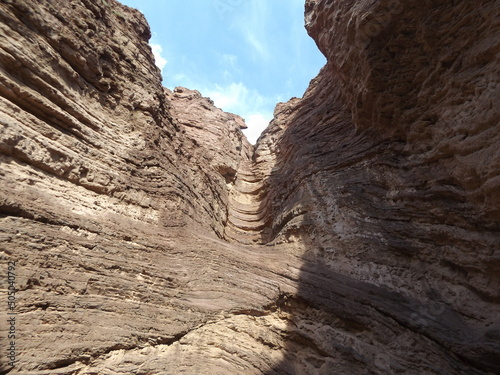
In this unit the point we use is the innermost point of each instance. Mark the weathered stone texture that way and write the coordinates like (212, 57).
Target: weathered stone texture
(359, 236)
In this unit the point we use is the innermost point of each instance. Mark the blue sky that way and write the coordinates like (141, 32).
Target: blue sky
(246, 55)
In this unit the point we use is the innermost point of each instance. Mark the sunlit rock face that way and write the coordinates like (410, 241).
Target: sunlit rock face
(359, 236)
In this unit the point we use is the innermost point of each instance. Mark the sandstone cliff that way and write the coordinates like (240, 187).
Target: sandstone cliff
(359, 236)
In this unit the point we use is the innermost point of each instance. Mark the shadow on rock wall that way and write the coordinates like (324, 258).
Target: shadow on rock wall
(399, 274)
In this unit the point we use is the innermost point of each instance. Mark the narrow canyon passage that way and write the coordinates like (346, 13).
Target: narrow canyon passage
(359, 236)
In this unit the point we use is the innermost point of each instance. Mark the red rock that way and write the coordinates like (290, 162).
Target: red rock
(359, 236)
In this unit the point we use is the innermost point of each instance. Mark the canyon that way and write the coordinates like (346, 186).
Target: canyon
(360, 235)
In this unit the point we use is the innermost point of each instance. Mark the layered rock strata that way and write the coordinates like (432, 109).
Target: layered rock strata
(359, 236)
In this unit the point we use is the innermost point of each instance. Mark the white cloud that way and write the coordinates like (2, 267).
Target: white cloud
(258, 44)
(180, 77)
(230, 60)
(230, 65)
(231, 97)
(160, 61)
(257, 123)
(253, 22)
(256, 109)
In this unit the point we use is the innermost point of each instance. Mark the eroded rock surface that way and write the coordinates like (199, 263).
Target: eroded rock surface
(359, 236)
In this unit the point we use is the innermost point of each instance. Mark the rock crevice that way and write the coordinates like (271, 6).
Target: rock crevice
(359, 235)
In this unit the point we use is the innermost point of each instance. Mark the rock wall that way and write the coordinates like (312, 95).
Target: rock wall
(386, 173)
(104, 195)
(361, 234)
